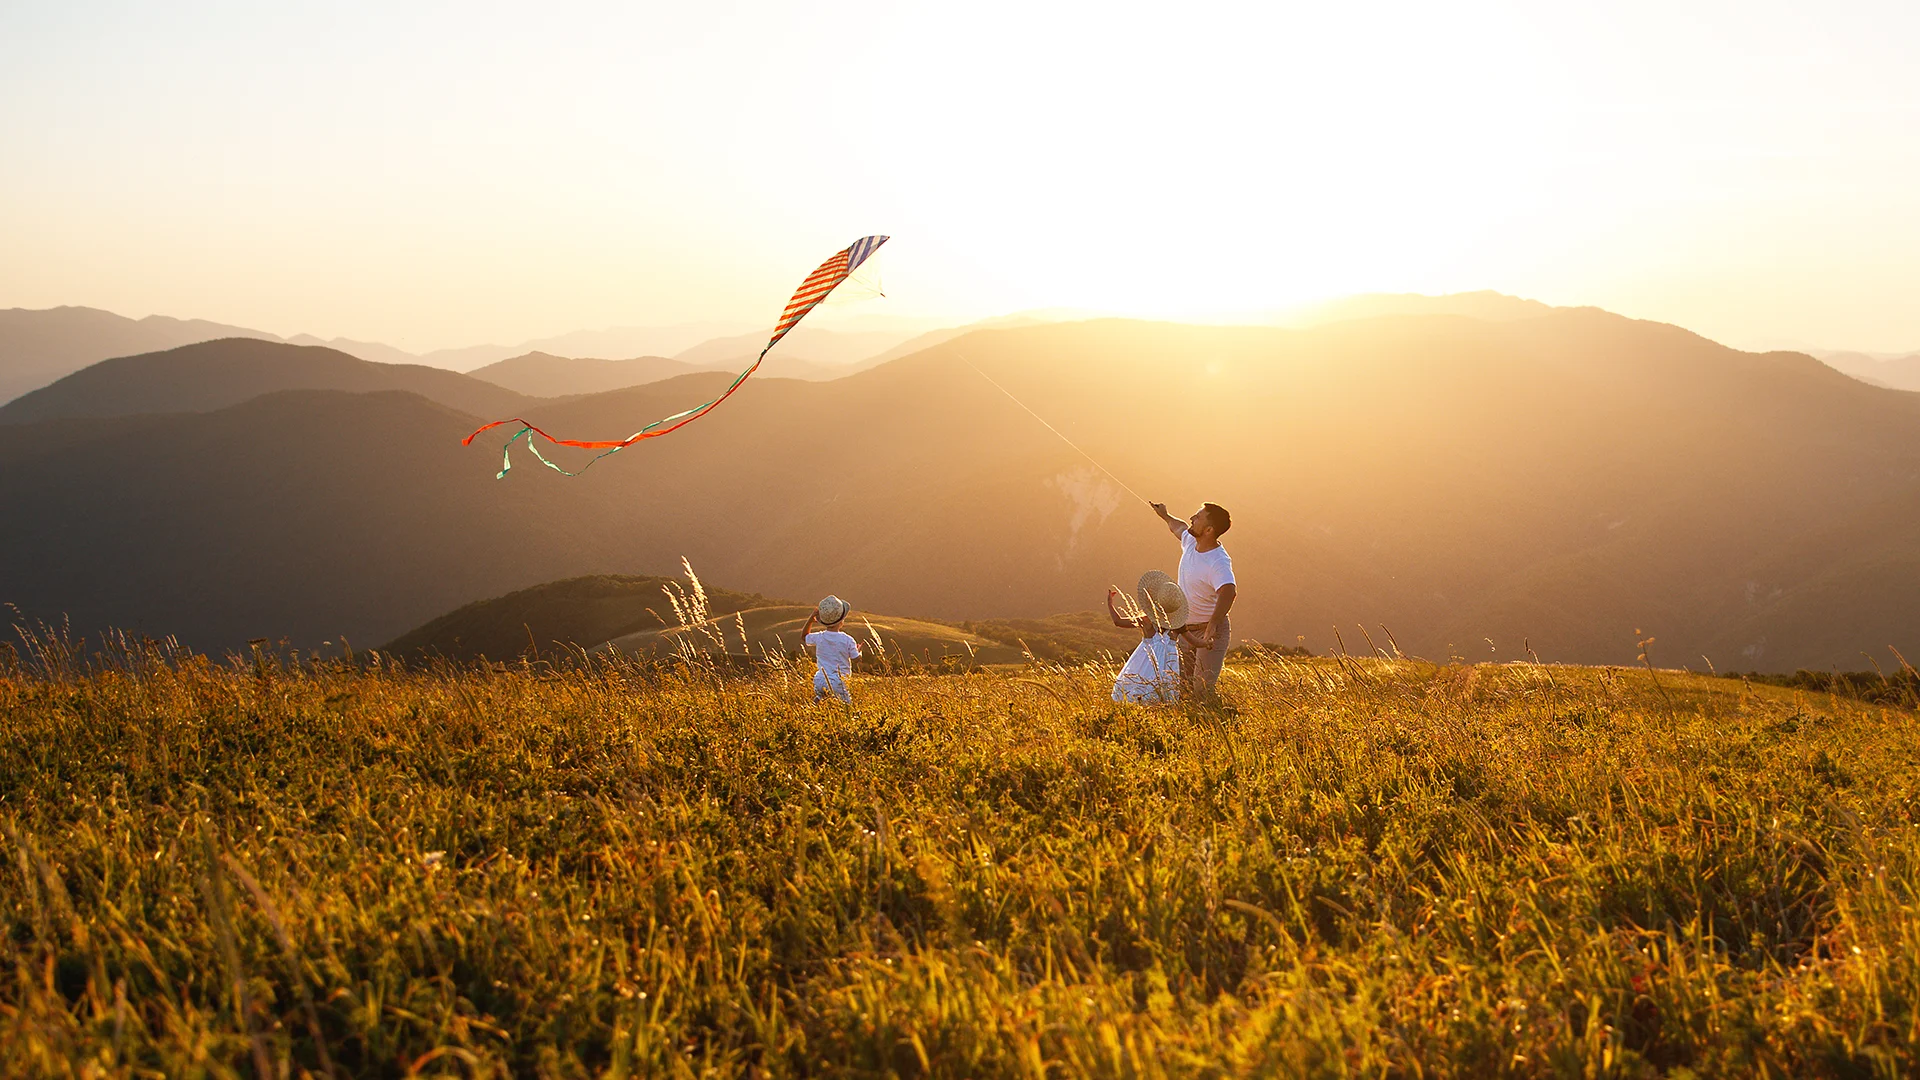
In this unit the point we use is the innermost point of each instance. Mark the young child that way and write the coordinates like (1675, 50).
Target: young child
(833, 651)
(1152, 673)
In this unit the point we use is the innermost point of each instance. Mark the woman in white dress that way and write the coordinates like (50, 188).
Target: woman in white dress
(1152, 673)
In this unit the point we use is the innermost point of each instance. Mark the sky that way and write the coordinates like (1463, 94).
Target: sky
(438, 175)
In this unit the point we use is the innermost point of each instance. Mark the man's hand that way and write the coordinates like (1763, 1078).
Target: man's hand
(1174, 524)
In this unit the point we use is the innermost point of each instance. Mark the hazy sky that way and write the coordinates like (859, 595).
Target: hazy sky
(439, 175)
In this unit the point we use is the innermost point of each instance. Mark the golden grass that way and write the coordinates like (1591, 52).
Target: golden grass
(1376, 869)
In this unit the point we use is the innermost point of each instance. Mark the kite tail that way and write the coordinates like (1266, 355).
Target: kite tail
(607, 447)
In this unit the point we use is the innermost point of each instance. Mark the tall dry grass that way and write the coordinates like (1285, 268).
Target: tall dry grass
(1379, 868)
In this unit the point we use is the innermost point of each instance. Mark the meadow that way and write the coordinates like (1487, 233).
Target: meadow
(624, 868)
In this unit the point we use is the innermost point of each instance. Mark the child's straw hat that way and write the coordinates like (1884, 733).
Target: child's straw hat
(832, 610)
(1162, 597)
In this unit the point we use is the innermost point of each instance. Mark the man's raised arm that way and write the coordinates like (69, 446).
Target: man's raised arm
(1174, 524)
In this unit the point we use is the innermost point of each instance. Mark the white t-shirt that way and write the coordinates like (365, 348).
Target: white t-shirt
(1202, 573)
(1152, 674)
(834, 651)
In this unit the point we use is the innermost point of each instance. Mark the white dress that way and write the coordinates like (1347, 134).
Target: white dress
(1152, 673)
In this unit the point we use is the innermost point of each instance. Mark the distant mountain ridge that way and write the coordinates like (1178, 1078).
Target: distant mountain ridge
(39, 346)
(1894, 372)
(1483, 304)
(612, 341)
(218, 374)
(539, 374)
(834, 347)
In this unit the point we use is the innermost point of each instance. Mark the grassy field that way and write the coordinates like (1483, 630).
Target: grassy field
(1374, 869)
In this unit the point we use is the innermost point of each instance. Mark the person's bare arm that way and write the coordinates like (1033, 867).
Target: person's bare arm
(1222, 605)
(1118, 619)
(1174, 524)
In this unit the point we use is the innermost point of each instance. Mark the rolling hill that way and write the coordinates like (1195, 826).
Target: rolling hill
(538, 374)
(217, 374)
(559, 615)
(777, 629)
(636, 615)
(1573, 483)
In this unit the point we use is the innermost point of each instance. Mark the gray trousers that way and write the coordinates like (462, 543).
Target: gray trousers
(1200, 668)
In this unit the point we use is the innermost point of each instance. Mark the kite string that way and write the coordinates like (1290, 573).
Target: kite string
(1050, 427)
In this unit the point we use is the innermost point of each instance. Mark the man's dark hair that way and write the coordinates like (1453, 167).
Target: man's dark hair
(1222, 521)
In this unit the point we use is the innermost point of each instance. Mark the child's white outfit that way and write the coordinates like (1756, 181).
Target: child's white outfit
(1152, 673)
(834, 653)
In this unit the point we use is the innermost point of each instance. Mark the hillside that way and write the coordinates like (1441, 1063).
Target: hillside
(559, 616)
(538, 374)
(777, 629)
(1373, 869)
(635, 615)
(1572, 483)
(214, 375)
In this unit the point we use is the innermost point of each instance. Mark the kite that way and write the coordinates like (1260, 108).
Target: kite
(813, 290)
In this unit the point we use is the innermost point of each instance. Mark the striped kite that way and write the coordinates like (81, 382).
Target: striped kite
(813, 290)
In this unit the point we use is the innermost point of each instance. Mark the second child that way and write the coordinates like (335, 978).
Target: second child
(1152, 673)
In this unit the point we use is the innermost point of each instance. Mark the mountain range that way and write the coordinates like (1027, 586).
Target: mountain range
(38, 347)
(1565, 485)
(1894, 372)
(539, 374)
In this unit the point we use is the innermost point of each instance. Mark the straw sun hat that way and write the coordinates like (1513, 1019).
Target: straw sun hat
(833, 609)
(1162, 597)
